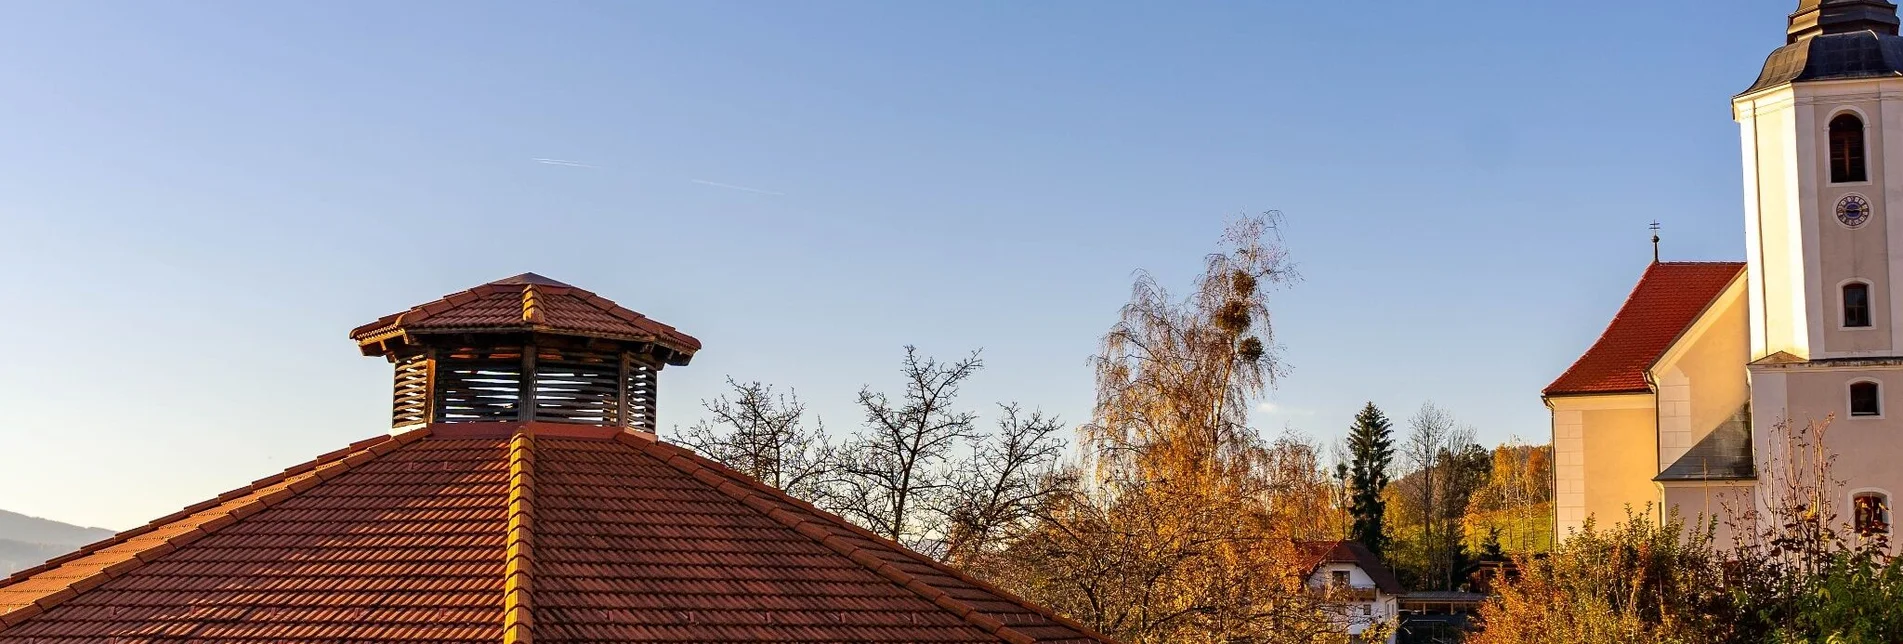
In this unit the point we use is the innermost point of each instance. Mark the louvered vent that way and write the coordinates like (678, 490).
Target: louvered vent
(475, 385)
(479, 385)
(577, 387)
(411, 403)
(643, 394)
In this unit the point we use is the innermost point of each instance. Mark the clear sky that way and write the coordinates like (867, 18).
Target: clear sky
(198, 200)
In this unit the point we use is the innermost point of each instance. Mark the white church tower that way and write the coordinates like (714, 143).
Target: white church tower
(1824, 115)
(1825, 265)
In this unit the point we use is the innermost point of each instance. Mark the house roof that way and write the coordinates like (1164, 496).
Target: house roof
(509, 533)
(1351, 552)
(527, 302)
(1668, 299)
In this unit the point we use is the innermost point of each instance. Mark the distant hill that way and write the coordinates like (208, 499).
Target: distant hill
(29, 541)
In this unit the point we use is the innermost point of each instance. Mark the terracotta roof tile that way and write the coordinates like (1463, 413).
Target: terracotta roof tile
(1666, 301)
(528, 302)
(514, 539)
(314, 566)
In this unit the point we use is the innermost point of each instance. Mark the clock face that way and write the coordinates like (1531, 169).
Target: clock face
(1853, 211)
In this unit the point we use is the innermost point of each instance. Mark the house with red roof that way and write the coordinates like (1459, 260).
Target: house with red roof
(1710, 372)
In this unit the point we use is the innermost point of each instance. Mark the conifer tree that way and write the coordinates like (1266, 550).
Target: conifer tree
(1371, 448)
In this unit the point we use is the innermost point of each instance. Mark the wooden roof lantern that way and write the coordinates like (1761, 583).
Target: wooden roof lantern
(525, 349)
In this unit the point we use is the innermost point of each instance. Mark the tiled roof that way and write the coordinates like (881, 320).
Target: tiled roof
(528, 302)
(507, 533)
(1351, 552)
(1668, 299)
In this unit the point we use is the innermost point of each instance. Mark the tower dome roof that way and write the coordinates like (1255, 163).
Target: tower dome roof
(1836, 40)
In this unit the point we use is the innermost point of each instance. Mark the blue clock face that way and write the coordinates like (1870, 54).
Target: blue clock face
(1853, 211)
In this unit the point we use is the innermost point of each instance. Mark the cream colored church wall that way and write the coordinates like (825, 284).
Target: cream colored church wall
(1702, 380)
(1603, 457)
(1619, 467)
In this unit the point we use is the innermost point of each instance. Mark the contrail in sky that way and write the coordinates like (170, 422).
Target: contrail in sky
(565, 163)
(730, 186)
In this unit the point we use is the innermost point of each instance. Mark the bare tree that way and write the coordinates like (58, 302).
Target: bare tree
(897, 469)
(764, 436)
(997, 491)
(1433, 438)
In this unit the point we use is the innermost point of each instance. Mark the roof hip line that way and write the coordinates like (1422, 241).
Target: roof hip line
(518, 612)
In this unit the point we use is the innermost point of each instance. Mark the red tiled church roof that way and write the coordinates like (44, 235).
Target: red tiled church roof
(1668, 299)
(518, 533)
(528, 302)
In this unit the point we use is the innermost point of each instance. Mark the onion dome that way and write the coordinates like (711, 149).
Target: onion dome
(1836, 40)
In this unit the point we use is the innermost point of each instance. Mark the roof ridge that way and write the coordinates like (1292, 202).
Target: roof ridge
(281, 488)
(531, 305)
(518, 608)
(693, 464)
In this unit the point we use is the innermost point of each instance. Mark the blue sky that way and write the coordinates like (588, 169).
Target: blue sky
(198, 200)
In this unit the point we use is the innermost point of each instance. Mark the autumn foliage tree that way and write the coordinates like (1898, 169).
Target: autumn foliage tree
(1182, 520)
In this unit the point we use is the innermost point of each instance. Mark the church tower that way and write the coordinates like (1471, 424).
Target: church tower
(1818, 127)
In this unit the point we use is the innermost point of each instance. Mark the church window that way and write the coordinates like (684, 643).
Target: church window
(1856, 304)
(1872, 512)
(1846, 149)
(1865, 399)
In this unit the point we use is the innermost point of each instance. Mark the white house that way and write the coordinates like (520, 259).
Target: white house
(1351, 570)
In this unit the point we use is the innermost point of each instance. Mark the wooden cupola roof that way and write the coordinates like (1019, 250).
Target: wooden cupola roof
(526, 303)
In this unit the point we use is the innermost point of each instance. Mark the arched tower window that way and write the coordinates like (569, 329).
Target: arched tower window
(1846, 149)
(1866, 399)
(1856, 304)
(1872, 512)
